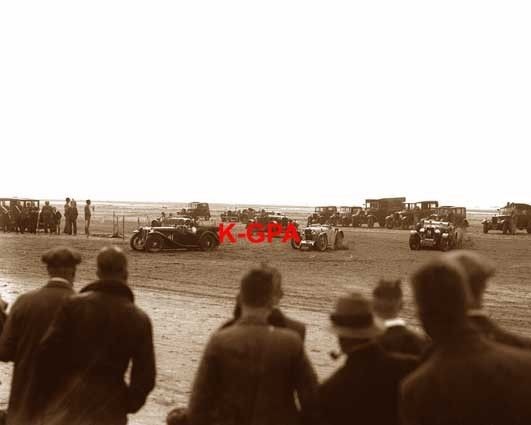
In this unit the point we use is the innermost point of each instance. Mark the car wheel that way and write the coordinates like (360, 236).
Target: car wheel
(444, 245)
(154, 243)
(370, 222)
(339, 241)
(137, 242)
(322, 242)
(295, 244)
(414, 242)
(485, 228)
(207, 242)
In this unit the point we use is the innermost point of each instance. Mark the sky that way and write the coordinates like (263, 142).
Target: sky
(278, 102)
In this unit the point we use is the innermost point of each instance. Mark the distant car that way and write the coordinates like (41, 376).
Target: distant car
(266, 218)
(351, 216)
(197, 210)
(230, 216)
(324, 215)
(441, 235)
(320, 237)
(512, 217)
(175, 233)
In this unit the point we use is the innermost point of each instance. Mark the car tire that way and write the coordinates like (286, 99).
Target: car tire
(137, 243)
(485, 228)
(414, 242)
(505, 228)
(208, 242)
(295, 244)
(444, 245)
(339, 242)
(322, 242)
(154, 243)
(370, 222)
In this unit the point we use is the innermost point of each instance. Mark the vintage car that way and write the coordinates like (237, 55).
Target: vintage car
(197, 210)
(411, 214)
(376, 210)
(324, 215)
(230, 216)
(265, 218)
(454, 215)
(433, 234)
(175, 233)
(319, 237)
(512, 217)
(350, 216)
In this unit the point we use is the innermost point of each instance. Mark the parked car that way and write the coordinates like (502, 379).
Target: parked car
(230, 216)
(455, 215)
(265, 218)
(350, 216)
(175, 233)
(197, 210)
(441, 235)
(410, 214)
(512, 217)
(320, 237)
(376, 210)
(324, 215)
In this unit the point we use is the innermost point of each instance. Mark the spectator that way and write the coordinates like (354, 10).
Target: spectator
(365, 389)
(177, 416)
(467, 379)
(478, 271)
(88, 215)
(277, 317)
(57, 220)
(89, 347)
(68, 217)
(27, 323)
(47, 217)
(250, 372)
(398, 338)
(73, 216)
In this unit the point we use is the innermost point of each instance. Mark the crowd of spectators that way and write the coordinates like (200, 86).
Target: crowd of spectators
(72, 351)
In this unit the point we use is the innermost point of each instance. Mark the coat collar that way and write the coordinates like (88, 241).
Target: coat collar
(59, 282)
(113, 287)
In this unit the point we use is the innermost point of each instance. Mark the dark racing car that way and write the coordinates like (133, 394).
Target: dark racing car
(175, 233)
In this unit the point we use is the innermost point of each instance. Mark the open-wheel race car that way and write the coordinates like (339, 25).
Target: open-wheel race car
(175, 233)
(441, 235)
(320, 237)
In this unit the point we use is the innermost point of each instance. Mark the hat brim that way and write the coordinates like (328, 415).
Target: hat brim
(350, 332)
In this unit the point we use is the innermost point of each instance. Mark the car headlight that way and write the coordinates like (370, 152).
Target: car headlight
(194, 229)
(437, 231)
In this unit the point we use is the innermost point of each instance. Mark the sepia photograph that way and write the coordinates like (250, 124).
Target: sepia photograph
(265, 213)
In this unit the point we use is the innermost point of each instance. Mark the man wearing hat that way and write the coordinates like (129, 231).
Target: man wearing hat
(93, 340)
(397, 338)
(365, 389)
(27, 323)
(478, 271)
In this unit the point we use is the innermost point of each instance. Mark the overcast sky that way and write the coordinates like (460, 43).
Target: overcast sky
(288, 102)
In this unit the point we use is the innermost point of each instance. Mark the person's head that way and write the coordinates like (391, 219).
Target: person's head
(442, 298)
(62, 262)
(387, 298)
(353, 321)
(88, 202)
(177, 416)
(112, 264)
(257, 290)
(47, 203)
(67, 200)
(477, 273)
(73, 203)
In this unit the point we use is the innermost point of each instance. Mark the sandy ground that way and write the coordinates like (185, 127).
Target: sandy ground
(189, 294)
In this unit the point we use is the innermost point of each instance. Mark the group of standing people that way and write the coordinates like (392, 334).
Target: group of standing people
(71, 214)
(71, 353)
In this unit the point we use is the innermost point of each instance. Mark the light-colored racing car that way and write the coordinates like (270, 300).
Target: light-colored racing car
(320, 237)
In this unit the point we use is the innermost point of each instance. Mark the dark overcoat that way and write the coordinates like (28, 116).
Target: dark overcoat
(401, 339)
(365, 389)
(473, 381)
(27, 322)
(492, 331)
(250, 373)
(89, 347)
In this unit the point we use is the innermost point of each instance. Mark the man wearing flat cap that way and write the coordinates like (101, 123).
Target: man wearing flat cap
(477, 272)
(365, 389)
(94, 338)
(27, 322)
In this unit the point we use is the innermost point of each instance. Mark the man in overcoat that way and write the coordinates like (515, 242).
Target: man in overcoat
(27, 322)
(89, 347)
(467, 379)
(365, 389)
(251, 371)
